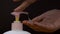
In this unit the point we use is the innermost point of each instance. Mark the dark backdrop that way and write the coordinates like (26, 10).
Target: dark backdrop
(38, 8)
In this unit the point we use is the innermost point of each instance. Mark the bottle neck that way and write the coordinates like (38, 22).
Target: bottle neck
(17, 25)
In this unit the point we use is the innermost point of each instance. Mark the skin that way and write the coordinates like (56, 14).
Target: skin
(24, 5)
(47, 22)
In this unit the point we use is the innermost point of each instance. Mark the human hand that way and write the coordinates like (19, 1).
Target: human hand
(24, 5)
(45, 22)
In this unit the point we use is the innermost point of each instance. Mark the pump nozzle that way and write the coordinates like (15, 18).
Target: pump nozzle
(17, 14)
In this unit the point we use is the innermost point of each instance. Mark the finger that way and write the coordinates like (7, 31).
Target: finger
(48, 13)
(34, 26)
(27, 23)
(31, 25)
(17, 10)
(38, 18)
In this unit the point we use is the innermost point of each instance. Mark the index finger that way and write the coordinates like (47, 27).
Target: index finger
(38, 18)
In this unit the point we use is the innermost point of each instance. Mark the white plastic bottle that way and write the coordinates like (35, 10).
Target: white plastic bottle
(17, 28)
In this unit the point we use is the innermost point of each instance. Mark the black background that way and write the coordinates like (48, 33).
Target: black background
(38, 8)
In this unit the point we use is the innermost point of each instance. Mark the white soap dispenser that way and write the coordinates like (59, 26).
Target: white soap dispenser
(17, 26)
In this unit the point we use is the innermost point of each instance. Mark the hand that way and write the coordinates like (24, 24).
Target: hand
(45, 22)
(24, 5)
